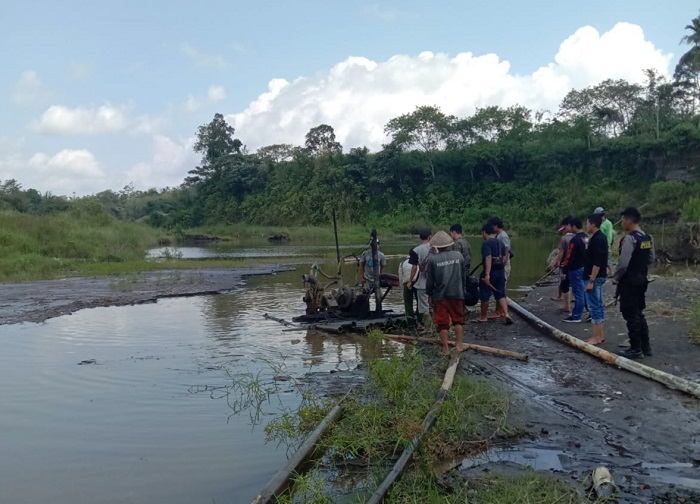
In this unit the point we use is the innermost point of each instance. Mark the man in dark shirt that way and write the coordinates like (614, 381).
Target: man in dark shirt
(444, 285)
(595, 271)
(493, 278)
(573, 267)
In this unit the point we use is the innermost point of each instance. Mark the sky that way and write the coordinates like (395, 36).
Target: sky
(100, 95)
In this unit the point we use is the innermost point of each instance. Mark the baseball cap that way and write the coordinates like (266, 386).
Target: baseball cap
(599, 210)
(564, 222)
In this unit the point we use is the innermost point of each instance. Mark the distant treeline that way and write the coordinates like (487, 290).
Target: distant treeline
(611, 145)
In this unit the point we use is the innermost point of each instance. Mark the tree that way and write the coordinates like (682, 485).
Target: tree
(693, 40)
(687, 74)
(216, 143)
(657, 110)
(496, 123)
(426, 128)
(321, 140)
(276, 153)
(608, 107)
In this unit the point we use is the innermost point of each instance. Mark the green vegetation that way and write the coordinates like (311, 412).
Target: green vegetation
(379, 422)
(381, 419)
(34, 246)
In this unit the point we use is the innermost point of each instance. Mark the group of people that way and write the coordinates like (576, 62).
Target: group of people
(436, 272)
(585, 263)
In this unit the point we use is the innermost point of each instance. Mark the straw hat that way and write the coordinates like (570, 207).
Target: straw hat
(441, 240)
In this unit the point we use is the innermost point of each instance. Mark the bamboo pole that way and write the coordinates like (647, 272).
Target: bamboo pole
(405, 457)
(280, 480)
(667, 379)
(466, 346)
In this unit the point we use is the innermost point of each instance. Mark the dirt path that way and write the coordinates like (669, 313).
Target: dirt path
(583, 413)
(40, 301)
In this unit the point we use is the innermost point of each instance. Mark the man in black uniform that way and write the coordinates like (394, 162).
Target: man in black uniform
(636, 254)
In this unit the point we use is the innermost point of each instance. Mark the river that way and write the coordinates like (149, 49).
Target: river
(137, 404)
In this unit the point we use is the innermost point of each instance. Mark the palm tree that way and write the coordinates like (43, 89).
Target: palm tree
(688, 68)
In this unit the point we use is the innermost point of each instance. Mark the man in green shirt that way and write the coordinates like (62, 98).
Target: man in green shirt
(607, 229)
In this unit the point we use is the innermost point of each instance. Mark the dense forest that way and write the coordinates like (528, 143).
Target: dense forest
(613, 144)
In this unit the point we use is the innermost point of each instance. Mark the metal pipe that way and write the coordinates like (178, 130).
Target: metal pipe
(667, 379)
(280, 481)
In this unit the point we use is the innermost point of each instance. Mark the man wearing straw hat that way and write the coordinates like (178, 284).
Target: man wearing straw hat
(445, 282)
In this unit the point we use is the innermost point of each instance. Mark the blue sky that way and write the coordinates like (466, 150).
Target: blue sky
(99, 94)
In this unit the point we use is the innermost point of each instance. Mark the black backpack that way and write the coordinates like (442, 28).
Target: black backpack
(471, 290)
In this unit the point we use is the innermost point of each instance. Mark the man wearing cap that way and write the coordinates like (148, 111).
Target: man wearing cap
(608, 231)
(444, 285)
(636, 254)
(418, 259)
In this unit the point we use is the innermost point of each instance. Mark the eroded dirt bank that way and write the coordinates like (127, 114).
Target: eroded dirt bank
(40, 301)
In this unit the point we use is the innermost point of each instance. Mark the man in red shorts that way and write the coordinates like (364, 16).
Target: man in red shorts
(446, 278)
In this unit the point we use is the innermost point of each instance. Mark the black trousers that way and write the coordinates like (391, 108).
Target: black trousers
(632, 305)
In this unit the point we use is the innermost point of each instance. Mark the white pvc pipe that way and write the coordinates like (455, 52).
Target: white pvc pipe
(671, 381)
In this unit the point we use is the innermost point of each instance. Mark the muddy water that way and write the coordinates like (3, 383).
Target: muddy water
(136, 404)
(150, 420)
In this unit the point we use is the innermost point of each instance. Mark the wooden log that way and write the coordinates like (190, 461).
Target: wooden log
(405, 457)
(280, 481)
(667, 379)
(466, 346)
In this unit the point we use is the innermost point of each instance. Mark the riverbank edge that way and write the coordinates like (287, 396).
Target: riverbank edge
(39, 301)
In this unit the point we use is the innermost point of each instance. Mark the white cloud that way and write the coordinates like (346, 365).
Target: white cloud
(214, 94)
(70, 163)
(66, 172)
(359, 96)
(201, 59)
(62, 120)
(168, 166)
(29, 90)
